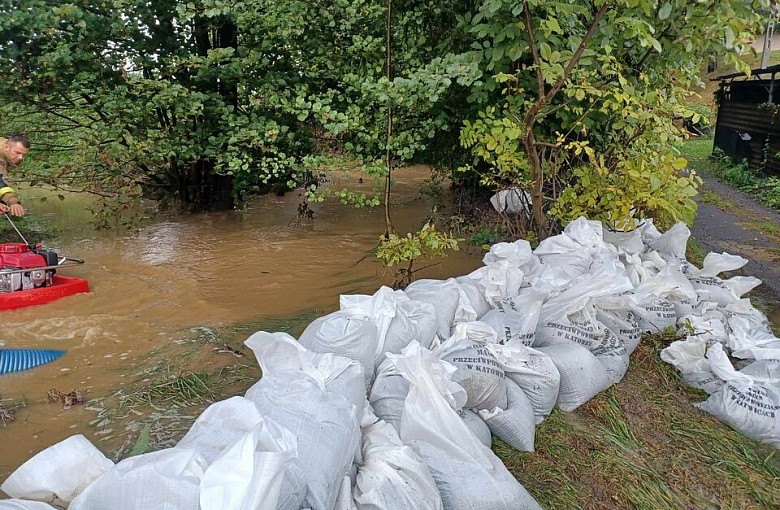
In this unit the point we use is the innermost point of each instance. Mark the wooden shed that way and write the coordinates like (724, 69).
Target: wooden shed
(748, 122)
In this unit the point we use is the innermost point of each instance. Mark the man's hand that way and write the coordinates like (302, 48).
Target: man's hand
(16, 209)
(4, 208)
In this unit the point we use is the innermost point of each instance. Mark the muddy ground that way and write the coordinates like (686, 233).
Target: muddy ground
(730, 220)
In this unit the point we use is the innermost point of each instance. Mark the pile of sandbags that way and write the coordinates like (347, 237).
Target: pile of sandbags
(390, 402)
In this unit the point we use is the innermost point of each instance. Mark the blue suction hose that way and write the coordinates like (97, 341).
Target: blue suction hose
(15, 360)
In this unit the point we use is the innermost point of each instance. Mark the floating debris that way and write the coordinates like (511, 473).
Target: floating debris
(68, 400)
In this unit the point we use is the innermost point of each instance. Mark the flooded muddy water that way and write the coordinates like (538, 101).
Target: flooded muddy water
(149, 288)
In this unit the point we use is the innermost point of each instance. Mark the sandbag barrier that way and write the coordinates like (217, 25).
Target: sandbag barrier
(390, 402)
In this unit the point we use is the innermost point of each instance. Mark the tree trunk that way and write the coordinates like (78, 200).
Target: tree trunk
(207, 190)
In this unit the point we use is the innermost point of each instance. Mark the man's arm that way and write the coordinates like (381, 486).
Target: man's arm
(9, 199)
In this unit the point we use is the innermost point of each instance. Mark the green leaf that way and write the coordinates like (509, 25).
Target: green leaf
(665, 11)
(545, 51)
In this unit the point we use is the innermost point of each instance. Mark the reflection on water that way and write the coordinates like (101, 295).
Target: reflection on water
(150, 287)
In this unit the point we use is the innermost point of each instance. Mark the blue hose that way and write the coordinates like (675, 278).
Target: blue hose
(15, 360)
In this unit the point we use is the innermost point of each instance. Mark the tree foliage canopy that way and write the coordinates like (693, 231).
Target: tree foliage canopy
(205, 101)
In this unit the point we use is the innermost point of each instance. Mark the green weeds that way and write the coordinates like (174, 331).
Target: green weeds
(769, 192)
(643, 445)
(719, 201)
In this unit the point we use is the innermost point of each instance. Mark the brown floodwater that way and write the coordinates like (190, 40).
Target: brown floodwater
(148, 288)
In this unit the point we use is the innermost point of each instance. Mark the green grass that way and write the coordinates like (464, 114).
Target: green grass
(694, 252)
(643, 445)
(719, 201)
(162, 398)
(697, 151)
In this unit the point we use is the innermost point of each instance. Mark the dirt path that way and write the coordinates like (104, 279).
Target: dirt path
(730, 220)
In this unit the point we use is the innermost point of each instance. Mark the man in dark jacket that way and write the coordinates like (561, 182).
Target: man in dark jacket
(12, 151)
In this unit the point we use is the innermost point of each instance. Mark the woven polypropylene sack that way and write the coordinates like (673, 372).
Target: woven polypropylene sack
(582, 375)
(325, 424)
(516, 425)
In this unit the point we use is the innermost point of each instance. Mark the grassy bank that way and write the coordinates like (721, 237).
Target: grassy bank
(642, 444)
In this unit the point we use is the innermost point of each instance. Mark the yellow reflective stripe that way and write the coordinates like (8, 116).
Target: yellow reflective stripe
(5, 190)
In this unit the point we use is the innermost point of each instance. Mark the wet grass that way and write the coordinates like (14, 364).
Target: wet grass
(765, 227)
(698, 151)
(695, 252)
(172, 385)
(719, 201)
(642, 444)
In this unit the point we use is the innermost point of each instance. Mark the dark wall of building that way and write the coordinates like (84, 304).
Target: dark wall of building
(748, 127)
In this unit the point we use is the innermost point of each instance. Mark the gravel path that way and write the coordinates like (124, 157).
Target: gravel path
(730, 220)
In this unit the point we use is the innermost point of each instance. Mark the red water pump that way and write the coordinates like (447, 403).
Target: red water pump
(24, 267)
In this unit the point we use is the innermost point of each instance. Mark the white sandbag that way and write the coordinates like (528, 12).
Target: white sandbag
(672, 243)
(763, 370)
(500, 279)
(753, 344)
(477, 426)
(344, 334)
(466, 472)
(476, 331)
(608, 280)
(588, 233)
(388, 394)
(625, 242)
(583, 329)
(345, 500)
(574, 249)
(565, 253)
(401, 330)
(515, 318)
(750, 336)
(392, 477)
(23, 504)
(166, 480)
(613, 355)
(220, 426)
(515, 425)
(465, 311)
(669, 284)
(723, 292)
(255, 473)
(61, 471)
(750, 406)
(478, 372)
(649, 231)
(689, 356)
(582, 375)
(325, 424)
(511, 201)
(534, 372)
(716, 263)
(653, 314)
(475, 292)
(279, 354)
(225, 424)
(622, 322)
(444, 296)
(424, 317)
(517, 254)
(709, 328)
(379, 308)
(465, 485)
(747, 316)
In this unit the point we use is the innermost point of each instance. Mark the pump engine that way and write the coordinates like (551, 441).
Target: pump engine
(25, 267)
